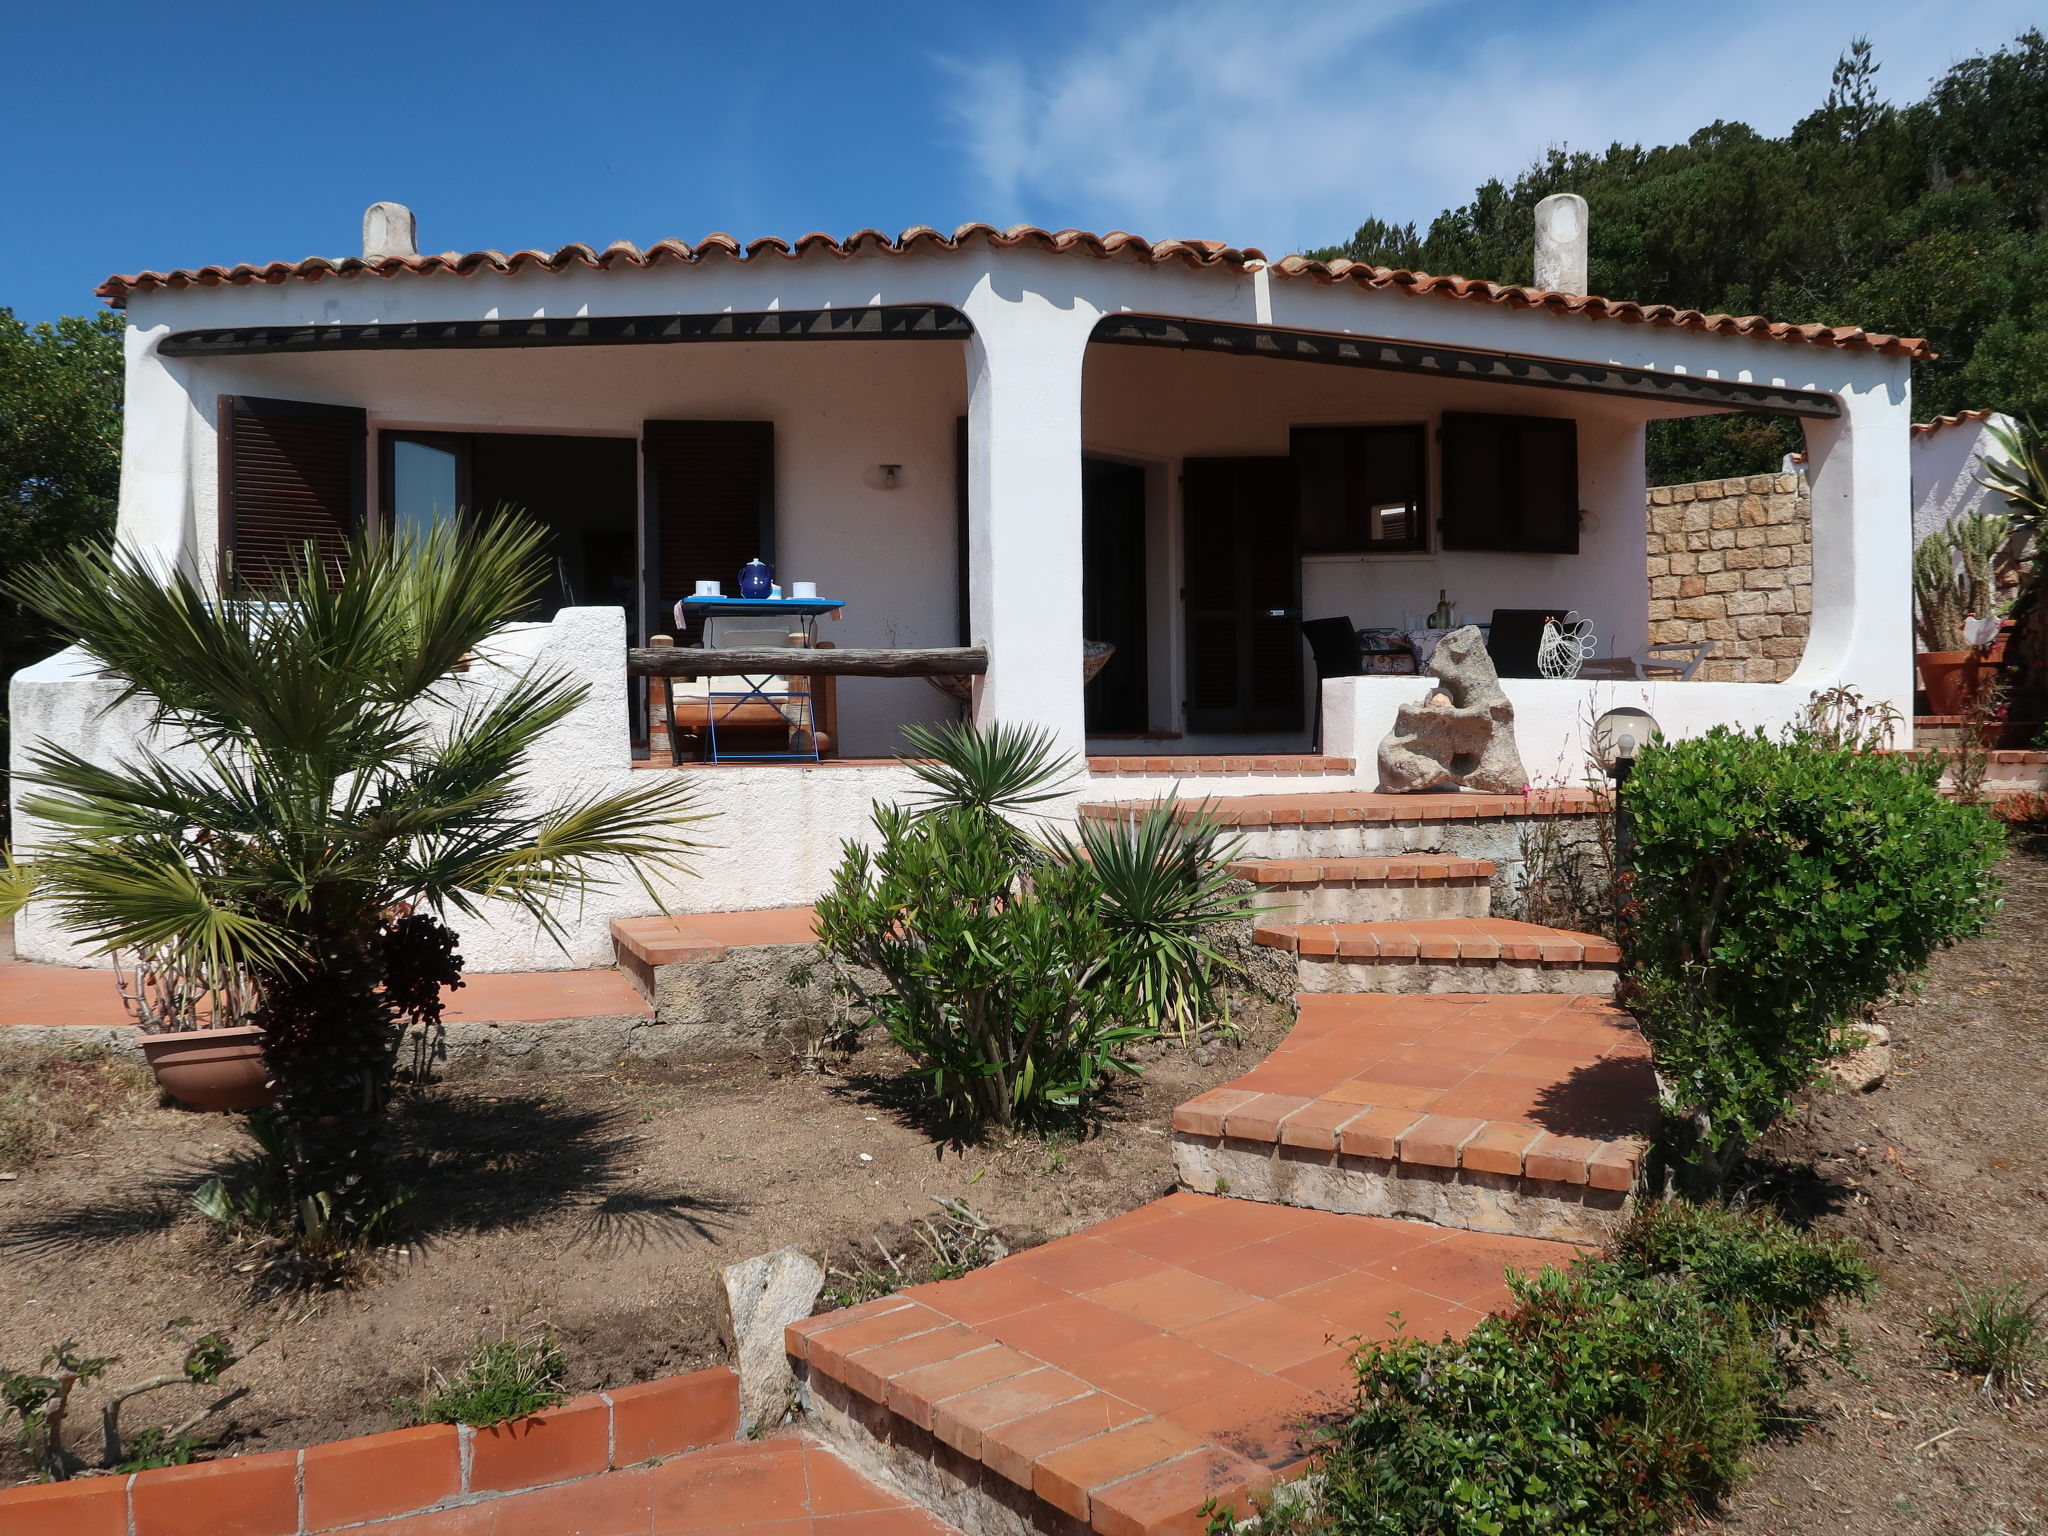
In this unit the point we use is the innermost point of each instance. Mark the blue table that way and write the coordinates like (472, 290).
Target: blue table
(722, 703)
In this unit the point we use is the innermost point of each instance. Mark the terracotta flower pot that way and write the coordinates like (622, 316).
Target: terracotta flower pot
(212, 1068)
(1948, 677)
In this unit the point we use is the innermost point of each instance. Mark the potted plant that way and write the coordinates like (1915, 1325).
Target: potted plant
(1954, 582)
(193, 1036)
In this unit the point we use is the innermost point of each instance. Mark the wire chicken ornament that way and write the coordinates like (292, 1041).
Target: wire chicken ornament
(1565, 645)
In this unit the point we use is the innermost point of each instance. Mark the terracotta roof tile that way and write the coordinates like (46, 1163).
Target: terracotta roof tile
(1480, 291)
(919, 239)
(1922, 428)
(922, 239)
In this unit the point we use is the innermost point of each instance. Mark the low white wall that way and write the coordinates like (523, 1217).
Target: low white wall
(770, 836)
(1553, 719)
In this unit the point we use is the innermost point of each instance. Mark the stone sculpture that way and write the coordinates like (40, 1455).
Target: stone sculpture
(1462, 735)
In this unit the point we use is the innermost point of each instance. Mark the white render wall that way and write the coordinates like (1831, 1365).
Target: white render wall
(1946, 464)
(770, 835)
(841, 410)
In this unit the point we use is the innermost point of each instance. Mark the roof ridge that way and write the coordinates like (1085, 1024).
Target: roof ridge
(919, 239)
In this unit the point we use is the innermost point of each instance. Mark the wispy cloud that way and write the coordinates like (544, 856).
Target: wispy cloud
(1284, 125)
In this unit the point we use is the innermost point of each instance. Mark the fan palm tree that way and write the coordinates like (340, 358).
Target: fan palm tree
(339, 794)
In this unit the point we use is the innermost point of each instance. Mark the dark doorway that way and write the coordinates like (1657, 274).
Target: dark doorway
(584, 490)
(1113, 593)
(1242, 537)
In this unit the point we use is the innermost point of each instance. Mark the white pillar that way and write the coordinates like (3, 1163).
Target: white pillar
(1024, 506)
(1860, 478)
(157, 419)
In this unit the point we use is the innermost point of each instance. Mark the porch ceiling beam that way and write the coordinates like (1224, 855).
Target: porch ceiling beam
(878, 322)
(1454, 363)
(678, 661)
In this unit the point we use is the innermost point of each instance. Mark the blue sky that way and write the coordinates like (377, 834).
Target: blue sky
(156, 136)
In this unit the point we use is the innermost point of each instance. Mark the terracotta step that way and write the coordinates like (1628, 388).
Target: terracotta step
(728, 981)
(1370, 889)
(1352, 824)
(1128, 1374)
(1453, 954)
(1519, 1114)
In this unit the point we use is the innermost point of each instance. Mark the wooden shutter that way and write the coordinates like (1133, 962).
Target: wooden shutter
(1510, 483)
(711, 509)
(1242, 574)
(292, 473)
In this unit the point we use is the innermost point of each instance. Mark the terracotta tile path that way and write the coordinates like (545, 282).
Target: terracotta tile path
(65, 995)
(785, 1486)
(1551, 1087)
(1129, 1372)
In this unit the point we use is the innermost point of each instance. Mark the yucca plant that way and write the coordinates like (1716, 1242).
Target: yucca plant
(1003, 772)
(343, 794)
(1165, 882)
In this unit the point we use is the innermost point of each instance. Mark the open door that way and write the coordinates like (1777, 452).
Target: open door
(1242, 595)
(1113, 592)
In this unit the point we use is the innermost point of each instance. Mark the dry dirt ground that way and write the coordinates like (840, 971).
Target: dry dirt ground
(598, 1207)
(1942, 1172)
(602, 1206)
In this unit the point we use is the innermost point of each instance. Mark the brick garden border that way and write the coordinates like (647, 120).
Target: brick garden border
(363, 1482)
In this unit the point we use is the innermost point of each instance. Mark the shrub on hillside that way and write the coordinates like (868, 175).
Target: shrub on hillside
(999, 986)
(1610, 1398)
(1780, 889)
(1020, 969)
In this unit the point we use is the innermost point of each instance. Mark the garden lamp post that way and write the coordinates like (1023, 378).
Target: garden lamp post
(1618, 736)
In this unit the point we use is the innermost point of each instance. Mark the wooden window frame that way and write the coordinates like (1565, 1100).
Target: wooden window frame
(227, 408)
(1520, 536)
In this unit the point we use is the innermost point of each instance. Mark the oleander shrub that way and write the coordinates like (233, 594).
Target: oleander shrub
(1780, 889)
(997, 976)
(1018, 968)
(1611, 1398)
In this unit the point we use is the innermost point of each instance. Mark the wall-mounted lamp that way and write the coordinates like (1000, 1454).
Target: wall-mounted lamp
(889, 473)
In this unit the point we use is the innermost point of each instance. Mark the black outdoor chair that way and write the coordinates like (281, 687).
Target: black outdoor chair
(1334, 643)
(1516, 636)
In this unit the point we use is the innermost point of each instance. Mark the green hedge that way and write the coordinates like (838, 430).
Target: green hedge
(1610, 1398)
(1779, 889)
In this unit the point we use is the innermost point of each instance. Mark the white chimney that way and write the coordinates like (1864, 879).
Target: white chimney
(389, 230)
(1561, 243)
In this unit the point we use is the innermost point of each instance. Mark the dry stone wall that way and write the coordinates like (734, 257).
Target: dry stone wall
(1732, 561)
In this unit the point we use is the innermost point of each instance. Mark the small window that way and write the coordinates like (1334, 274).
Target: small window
(1511, 483)
(1360, 489)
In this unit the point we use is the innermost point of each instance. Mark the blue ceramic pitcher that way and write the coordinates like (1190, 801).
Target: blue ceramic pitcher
(757, 576)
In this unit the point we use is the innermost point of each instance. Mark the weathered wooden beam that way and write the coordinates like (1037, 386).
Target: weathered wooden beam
(677, 661)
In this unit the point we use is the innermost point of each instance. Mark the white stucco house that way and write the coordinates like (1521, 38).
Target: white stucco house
(1011, 439)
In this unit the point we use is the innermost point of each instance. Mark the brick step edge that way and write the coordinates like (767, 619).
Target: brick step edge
(1512, 1148)
(1401, 941)
(1415, 866)
(1332, 809)
(1210, 767)
(401, 1472)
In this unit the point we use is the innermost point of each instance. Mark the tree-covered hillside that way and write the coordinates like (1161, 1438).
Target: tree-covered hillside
(1923, 220)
